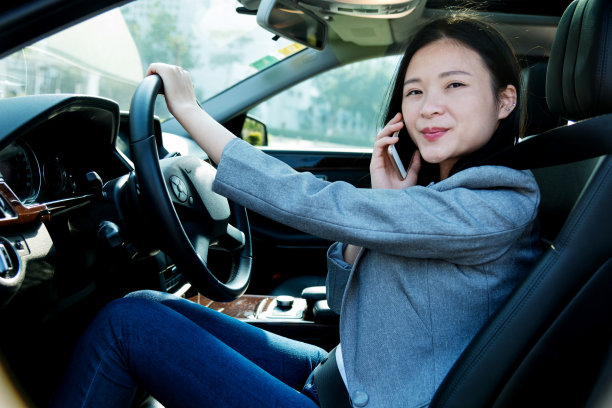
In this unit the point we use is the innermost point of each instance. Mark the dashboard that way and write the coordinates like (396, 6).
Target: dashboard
(71, 221)
(56, 151)
(47, 153)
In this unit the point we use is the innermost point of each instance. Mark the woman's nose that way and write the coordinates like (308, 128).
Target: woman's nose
(432, 106)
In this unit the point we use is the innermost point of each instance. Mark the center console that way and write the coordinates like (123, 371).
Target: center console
(307, 318)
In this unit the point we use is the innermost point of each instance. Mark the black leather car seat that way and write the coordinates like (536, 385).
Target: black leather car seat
(539, 117)
(559, 194)
(547, 344)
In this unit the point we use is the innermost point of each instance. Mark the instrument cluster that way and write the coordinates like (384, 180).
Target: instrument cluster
(36, 176)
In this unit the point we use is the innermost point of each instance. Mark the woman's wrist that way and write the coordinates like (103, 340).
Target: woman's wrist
(188, 113)
(350, 253)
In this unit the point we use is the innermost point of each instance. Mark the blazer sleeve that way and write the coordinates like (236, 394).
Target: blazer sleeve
(471, 217)
(338, 272)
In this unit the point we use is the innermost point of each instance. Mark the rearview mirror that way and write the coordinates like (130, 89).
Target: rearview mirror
(288, 20)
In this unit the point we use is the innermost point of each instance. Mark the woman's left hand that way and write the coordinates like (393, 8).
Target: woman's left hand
(178, 88)
(383, 173)
(181, 101)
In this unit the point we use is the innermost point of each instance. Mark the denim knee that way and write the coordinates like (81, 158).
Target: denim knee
(120, 314)
(147, 294)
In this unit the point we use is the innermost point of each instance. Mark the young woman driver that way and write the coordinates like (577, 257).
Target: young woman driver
(423, 264)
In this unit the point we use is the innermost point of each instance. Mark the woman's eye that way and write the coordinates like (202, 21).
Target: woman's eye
(455, 85)
(413, 92)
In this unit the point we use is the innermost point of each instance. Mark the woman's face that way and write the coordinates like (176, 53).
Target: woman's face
(449, 106)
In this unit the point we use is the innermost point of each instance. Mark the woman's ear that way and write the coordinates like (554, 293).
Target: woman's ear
(507, 102)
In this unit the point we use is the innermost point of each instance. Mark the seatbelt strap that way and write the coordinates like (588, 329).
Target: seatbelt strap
(330, 387)
(582, 140)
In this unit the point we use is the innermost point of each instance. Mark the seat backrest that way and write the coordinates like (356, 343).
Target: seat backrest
(560, 185)
(539, 117)
(546, 344)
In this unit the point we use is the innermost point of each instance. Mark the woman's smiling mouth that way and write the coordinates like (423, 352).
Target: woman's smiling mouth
(434, 133)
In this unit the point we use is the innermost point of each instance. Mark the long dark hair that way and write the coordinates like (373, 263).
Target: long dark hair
(502, 64)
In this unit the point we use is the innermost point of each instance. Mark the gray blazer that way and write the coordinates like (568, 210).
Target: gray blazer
(438, 261)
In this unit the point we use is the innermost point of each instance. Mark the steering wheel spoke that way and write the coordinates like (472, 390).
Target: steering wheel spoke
(200, 242)
(233, 239)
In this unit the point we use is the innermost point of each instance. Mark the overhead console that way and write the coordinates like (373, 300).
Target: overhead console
(314, 23)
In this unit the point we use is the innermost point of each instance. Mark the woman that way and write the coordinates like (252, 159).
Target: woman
(428, 258)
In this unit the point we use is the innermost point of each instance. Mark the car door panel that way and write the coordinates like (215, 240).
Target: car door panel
(277, 247)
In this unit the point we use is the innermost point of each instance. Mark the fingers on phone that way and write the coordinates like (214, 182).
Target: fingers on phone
(391, 130)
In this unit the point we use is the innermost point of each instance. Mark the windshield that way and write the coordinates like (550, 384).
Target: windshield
(108, 55)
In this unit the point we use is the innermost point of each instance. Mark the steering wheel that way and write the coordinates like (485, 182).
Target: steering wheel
(204, 215)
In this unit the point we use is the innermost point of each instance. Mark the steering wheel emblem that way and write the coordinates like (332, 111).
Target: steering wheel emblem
(179, 188)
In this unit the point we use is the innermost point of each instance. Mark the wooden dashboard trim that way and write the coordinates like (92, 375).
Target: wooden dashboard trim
(246, 307)
(23, 214)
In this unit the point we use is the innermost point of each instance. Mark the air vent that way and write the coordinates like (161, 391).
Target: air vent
(5, 210)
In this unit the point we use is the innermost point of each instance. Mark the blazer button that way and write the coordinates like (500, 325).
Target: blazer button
(360, 399)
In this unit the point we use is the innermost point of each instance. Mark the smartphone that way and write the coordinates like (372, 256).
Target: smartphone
(401, 153)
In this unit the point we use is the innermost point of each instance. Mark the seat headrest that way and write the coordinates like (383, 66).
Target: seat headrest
(579, 77)
(539, 118)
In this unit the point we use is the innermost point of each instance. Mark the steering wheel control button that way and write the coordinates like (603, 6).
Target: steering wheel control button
(179, 188)
(360, 399)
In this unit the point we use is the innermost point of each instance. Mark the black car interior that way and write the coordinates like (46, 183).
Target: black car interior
(550, 344)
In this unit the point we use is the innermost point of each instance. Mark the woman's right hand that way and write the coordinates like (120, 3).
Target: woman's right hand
(383, 173)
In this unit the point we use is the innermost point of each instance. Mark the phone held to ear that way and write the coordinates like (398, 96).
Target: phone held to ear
(401, 154)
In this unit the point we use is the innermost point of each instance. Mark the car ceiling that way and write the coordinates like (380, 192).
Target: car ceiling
(24, 22)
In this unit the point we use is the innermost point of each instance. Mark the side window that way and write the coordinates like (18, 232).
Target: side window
(337, 109)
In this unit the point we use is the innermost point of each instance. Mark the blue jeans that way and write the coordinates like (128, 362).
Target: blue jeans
(185, 355)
